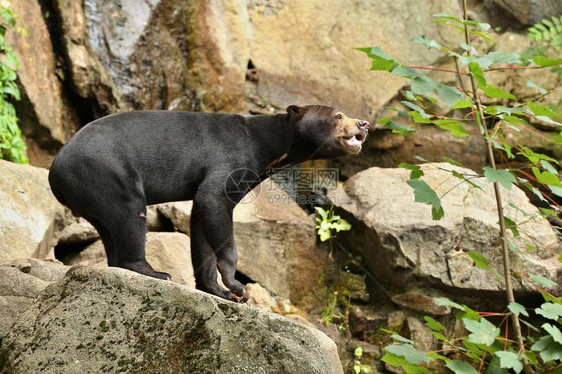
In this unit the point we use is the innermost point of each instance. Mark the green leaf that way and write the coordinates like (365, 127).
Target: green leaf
(541, 110)
(548, 167)
(462, 104)
(496, 57)
(449, 95)
(509, 360)
(433, 324)
(423, 84)
(454, 127)
(341, 225)
(548, 348)
(544, 61)
(494, 366)
(517, 309)
(380, 60)
(394, 360)
(496, 92)
(500, 109)
(482, 332)
(428, 42)
(424, 194)
(548, 120)
(396, 127)
(478, 73)
(532, 84)
(535, 157)
(452, 162)
(529, 325)
(502, 176)
(446, 302)
(554, 332)
(400, 338)
(461, 367)
(511, 225)
(409, 352)
(416, 170)
(419, 118)
(324, 234)
(543, 281)
(482, 262)
(415, 107)
(550, 310)
(546, 177)
(323, 213)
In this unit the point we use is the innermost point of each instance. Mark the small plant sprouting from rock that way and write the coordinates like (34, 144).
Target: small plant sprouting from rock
(11, 143)
(487, 347)
(328, 222)
(359, 368)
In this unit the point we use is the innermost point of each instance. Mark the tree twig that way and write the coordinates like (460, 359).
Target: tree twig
(499, 203)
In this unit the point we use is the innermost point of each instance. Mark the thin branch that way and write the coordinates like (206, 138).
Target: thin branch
(513, 68)
(503, 232)
(434, 69)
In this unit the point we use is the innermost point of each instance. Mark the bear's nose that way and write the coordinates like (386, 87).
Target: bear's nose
(364, 125)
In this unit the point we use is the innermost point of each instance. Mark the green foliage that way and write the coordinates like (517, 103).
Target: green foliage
(358, 367)
(424, 194)
(327, 222)
(549, 31)
(11, 143)
(484, 346)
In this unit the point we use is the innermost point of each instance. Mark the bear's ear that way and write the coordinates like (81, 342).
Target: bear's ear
(293, 110)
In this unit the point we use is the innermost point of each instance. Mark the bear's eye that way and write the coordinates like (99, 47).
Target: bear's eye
(339, 117)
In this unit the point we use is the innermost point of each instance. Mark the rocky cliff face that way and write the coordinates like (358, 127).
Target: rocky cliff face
(101, 57)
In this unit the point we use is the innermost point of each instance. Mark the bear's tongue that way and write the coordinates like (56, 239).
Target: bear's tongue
(354, 140)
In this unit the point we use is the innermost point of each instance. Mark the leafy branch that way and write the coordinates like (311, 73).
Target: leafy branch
(11, 143)
(484, 345)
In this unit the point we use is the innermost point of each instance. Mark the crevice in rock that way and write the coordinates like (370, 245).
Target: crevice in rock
(64, 252)
(243, 278)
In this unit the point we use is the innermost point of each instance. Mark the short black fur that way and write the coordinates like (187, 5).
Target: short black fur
(115, 166)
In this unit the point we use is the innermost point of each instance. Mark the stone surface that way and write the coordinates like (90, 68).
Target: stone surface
(20, 284)
(420, 334)
(197, 53)
(420, 302)
(45, 116)
(365, 322)
(528, 12)
(260, 298)
(77, 231)
(323, 67)
(169, 252)
(275, 239)
(86, 76)
(405, 247)
(27, 212)
(101, 320)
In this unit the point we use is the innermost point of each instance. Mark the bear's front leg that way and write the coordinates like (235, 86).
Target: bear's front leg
(213, 247)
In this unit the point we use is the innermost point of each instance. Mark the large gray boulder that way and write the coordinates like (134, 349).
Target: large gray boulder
(404, 246)
(27, 212)
(21, 282)
(108, 320)
(165, 251)
(275, 239)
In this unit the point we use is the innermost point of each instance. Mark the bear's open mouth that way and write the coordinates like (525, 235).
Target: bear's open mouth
(354, 140)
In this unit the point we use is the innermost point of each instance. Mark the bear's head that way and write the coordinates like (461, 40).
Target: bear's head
(326, 132)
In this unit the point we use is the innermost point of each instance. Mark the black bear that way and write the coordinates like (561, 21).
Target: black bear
(115, 166)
